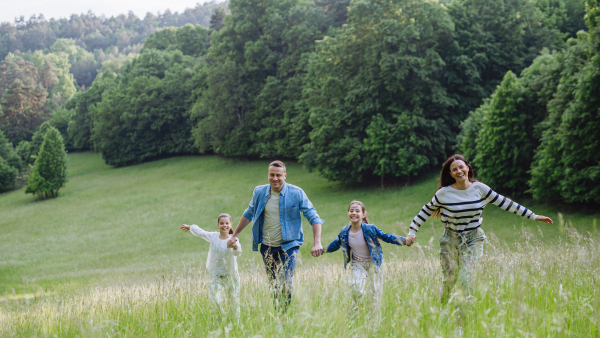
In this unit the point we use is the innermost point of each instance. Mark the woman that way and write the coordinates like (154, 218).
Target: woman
(460, 201)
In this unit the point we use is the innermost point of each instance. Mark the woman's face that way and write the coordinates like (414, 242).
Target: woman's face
(224, 225)
(355, 213)
(459, 171)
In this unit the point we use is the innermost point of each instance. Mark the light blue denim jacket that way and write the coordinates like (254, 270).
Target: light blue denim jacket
(292, 202)
(372, 235)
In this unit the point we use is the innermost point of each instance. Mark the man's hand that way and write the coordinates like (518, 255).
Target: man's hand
(317, 250)
(410, 240)
(231, 242)
(184, 227)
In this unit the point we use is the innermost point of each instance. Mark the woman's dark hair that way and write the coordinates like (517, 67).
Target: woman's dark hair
(446, 179)
(364, 210)
(230, 221)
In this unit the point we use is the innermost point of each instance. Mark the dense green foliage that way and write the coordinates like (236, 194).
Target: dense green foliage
(354, 89)
(22, 99)
(540, 133)
(44, 63)
(145, 114)
(95, 33)
(50, 170)
(251, 103)
(10, 164)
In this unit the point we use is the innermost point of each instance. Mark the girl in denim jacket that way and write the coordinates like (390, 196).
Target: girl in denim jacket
(360, 245)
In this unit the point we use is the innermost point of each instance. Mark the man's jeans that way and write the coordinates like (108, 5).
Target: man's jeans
(459, 254)
(280, 265)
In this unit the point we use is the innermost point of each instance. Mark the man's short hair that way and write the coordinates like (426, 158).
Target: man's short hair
(278, 164)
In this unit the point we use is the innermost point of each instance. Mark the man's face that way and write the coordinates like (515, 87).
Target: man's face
(276, 178)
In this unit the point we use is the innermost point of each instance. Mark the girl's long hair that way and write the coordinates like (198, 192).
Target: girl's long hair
(230, 221)
(446, 179)
(364, 210)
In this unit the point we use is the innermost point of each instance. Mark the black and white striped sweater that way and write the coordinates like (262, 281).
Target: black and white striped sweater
(461, 209)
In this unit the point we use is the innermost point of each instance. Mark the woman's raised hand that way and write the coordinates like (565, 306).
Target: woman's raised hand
(544, 219)
(184, 227)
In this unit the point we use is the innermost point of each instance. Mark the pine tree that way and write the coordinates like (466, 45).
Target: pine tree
(50, 171)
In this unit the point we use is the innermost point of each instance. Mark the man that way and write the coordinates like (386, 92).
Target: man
(276, 225)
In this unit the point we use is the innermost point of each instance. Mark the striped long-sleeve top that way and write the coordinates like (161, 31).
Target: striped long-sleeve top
(461, 209)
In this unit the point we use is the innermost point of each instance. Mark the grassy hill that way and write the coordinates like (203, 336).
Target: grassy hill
(123, 223)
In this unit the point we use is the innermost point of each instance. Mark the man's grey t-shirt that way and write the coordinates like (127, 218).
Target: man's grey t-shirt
(271, 229)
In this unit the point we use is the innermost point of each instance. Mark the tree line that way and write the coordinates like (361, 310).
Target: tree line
(539, 132)
(354, 89)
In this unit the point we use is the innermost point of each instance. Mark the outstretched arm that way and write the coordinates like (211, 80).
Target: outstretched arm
(243, 223)
(511, 206)
(195, 230)
(426, 211)
(333, 246)
(391, 238)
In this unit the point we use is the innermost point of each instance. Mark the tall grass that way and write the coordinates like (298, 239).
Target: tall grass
(523, 289)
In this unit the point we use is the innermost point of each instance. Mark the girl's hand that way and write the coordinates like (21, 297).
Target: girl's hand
(410, 240)
(544, 219)
(184, 227)
(232, 244)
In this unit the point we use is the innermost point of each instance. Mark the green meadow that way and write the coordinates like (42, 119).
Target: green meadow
(107, 258)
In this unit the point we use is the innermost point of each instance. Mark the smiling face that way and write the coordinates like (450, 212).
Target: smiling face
(459, 171)
(355, 213)
(224, 225)
(277, 176)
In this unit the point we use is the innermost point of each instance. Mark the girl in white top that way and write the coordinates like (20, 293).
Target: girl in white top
(221, 263)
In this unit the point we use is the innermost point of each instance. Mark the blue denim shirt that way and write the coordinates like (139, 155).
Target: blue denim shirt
(372, 235)
(292, 202)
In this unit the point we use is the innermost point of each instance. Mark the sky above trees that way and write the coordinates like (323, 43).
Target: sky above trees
(64, 8)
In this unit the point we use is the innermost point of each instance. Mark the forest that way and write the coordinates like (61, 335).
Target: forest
(354, 89)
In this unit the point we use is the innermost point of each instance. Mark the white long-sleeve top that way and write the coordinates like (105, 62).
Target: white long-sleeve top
(221, 260)
(461, 209)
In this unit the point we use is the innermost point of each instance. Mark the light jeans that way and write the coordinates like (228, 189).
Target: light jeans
(223, 289)
(459, 255)
(365, 275)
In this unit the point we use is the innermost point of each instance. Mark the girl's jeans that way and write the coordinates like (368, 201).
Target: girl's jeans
(223, 288)
(459, 254)
(365, 275)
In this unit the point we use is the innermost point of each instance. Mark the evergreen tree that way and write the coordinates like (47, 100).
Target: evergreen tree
(28, 151)
(50, 170)
(7, 176)
(216, 20)
(10, 164)
(507, 140)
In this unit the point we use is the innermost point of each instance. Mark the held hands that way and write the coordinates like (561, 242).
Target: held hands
(410, 240)
(184, 227)
(232, 242)
(544, 219)
(233, 245)
(317, 250)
